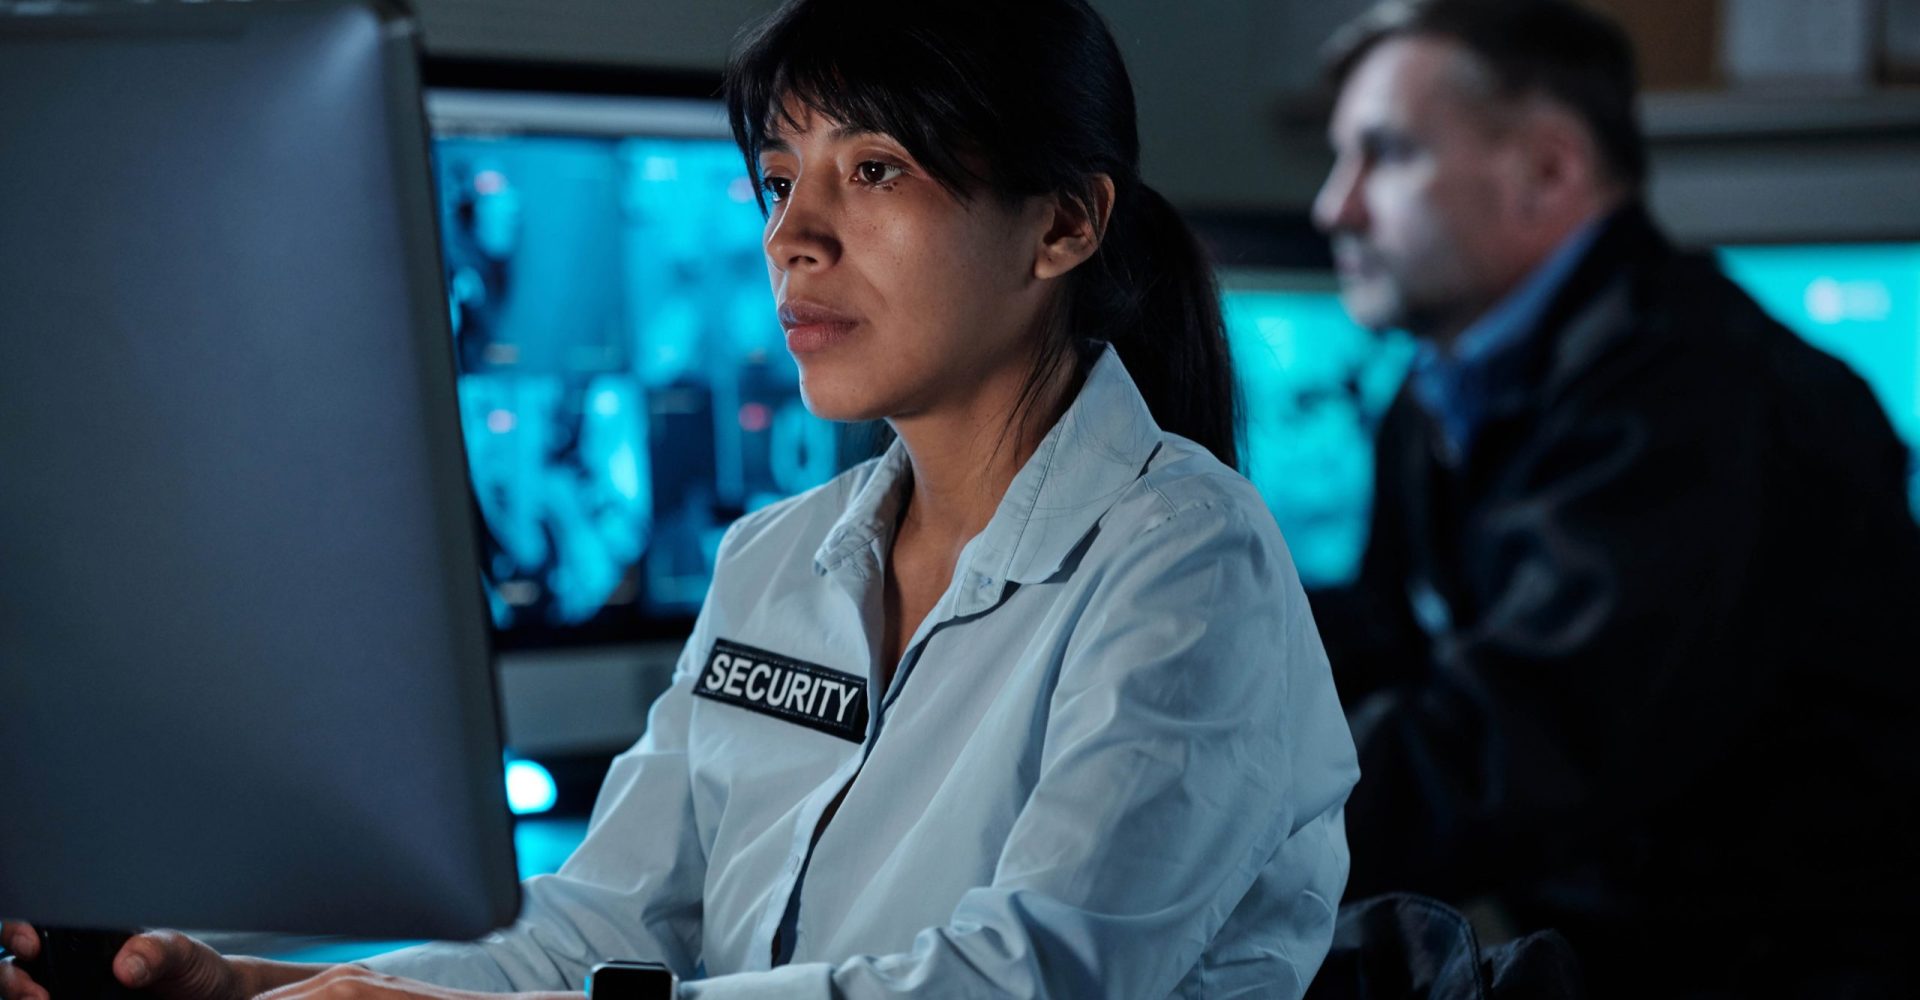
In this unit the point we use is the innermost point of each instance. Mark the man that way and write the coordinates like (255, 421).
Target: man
(1632, 651)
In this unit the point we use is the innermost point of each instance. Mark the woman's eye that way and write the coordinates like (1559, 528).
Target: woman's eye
(876, 172)
(776, 188)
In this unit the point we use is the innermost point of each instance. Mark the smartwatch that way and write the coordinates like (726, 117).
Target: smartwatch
(631, 981)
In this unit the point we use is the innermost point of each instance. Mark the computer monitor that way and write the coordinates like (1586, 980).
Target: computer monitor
(624, 386)
(1859, 302)
(243, 643)
(1314, 386)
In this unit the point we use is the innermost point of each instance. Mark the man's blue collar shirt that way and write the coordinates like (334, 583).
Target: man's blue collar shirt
(1457, 387)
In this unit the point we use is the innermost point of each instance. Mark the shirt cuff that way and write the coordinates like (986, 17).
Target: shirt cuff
(459, 966)
(805, 981)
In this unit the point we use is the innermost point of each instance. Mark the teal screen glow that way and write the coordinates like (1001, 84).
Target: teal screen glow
(1313, 386)
(625, 387)
(1859, 303)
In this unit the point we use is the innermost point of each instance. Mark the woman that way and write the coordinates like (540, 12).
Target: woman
(1031, 705)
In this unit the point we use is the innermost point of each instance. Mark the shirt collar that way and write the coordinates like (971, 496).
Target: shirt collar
(1096, 449)
(1456, 386)
(870, 512)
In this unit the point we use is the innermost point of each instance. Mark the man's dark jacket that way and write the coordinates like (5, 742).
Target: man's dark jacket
(1644, 664)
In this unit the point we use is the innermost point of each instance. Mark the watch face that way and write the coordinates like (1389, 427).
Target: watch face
(630, 981)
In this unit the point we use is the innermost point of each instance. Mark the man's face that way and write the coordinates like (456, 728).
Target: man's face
(1422, 203)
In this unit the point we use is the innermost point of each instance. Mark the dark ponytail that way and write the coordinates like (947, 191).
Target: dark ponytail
(1013, 99)
(1151, 294)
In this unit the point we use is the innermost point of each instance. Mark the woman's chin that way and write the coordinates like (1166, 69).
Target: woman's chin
(843, 400)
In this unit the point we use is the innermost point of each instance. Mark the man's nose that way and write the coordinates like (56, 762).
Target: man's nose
(1338, 205)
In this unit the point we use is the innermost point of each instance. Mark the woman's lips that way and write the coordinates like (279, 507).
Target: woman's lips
(811, 326)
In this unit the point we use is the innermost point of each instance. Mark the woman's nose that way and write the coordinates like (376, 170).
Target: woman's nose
(801, 234)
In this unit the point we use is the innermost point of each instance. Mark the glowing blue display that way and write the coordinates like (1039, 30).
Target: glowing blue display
(625, 388)
(1860, 303)
(1314, 386)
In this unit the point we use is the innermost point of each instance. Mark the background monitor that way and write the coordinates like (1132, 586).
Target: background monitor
(243, 647)
(625, 387)
(1859, 302)
(1314, 386)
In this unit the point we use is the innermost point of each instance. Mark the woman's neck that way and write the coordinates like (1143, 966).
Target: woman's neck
(963, 459)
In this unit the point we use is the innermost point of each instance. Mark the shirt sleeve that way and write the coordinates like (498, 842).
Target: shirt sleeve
(618, 896)
(1193, 738)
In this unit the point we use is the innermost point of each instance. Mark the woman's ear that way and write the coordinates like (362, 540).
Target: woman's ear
(1074, 230)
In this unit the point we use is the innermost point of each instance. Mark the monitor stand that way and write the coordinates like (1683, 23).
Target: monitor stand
(78, 964)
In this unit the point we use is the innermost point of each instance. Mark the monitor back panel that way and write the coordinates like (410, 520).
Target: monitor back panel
(244, 675)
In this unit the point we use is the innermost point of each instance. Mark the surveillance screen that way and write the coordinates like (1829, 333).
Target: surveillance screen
(624, 386)
(1314, 387)
(1859, 302)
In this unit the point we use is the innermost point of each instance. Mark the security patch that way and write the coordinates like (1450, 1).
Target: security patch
(805, 694)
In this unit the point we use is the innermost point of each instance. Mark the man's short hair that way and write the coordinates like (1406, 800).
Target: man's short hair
(1575, 56)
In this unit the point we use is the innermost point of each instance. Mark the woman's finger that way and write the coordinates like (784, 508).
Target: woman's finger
(20, 938)
(15, 984)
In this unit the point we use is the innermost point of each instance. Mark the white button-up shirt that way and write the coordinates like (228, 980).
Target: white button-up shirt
(1110, 763)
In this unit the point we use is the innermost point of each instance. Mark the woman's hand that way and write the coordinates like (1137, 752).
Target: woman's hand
(22, 940)
(351, 982)
(166, 964)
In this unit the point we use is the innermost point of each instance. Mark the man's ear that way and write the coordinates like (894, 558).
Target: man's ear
(1560, 165)
(1074, 230)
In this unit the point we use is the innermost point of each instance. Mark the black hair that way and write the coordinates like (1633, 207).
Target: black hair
(1563, 50)
(1014, 99)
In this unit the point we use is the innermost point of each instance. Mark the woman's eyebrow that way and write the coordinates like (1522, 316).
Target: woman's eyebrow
(777, 142)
